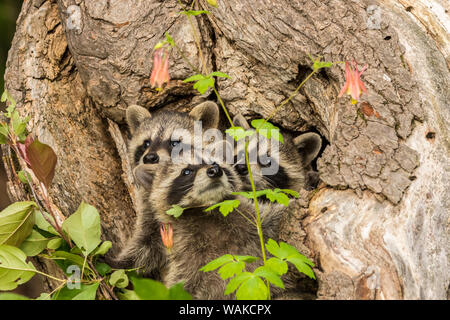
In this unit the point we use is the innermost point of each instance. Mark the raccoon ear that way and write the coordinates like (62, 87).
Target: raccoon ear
(144, 174)
(206, 112)
(308, 146)
(135, 115)
(240, 121)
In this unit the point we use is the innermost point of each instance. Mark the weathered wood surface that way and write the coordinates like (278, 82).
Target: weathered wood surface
(378, 229)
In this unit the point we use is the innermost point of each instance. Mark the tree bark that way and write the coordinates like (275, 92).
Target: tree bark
(377, 228)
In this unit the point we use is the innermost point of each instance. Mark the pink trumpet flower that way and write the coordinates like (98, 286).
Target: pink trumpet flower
(160, 72)
(167, 235)
(353, 85)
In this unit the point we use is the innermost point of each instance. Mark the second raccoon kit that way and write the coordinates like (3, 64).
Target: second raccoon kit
(293, 159)
(198, 236)
(151, 143)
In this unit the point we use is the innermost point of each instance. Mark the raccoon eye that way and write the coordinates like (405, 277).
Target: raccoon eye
(147, 143)
(175, 143)
(186, 172)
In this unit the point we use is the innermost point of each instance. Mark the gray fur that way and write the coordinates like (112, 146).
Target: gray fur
(200, 237)
(144, 248)
(295, 156)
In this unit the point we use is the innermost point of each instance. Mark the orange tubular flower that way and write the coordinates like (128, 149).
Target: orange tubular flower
(167, 235)
(353, 85)
(160, 72)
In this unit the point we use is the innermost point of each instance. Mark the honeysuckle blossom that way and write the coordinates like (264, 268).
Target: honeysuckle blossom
(160, 72)
(353, 85)
(167, 235)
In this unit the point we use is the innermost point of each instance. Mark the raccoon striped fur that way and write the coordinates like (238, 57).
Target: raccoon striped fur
(293, 159)
(152, 143)
(198, 236)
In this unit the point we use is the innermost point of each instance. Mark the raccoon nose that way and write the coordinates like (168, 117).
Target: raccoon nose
(214, 171)
(151, 157)
(241, 169)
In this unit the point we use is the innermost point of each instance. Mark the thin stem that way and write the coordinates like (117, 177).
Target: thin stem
(196, 38)
(258, 217)
(57, 288)
(223, 105)
(248, 219)
(186, 59)
(288, 99)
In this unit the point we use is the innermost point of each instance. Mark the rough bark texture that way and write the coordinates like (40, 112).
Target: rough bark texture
(74, 64)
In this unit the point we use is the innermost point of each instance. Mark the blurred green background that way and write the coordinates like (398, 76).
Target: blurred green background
(9, 11)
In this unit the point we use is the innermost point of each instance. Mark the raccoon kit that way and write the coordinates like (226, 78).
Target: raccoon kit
(200, 236)
(293, 159)
(151, 143)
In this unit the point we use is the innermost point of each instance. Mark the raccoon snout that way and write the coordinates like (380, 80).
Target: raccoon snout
(214, 171)
(151, 157)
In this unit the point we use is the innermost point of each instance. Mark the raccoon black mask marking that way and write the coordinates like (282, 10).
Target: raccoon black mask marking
(151, 144)
(200, 236)
(294, 156)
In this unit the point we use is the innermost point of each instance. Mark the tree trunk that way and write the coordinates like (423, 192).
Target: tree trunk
(377, 228)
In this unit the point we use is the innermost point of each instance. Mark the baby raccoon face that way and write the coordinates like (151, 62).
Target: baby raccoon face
(155, 137)
(275, 164)
(188, 185)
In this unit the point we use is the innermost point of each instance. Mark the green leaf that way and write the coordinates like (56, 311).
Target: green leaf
(277, 265)
(269, 275)
(83, 227)
(102, 268)
(267, 129)
(148, 289)
(160, 44)
(177, 292)
(14, 269)
(289, 253)
(195, 77)
(290, 192)
(234, 283)
(12, 296)
(16, 222)
(204, 84)
(43, 224)
(225, 207)
(247, 259)
(212, 3)
(54, 243)
(43, 161)
(194, 12)
(219, 74)
(231, 269)
(4, 133)
(7, 96)
(301, 266)
(273, 247)
(44, 296)
(239, 133)
(169, 39)
(71, 259)
(34, 244)
(216, 263)
(102, 249)
(86, 292)
(252, 289)
(119, 279)
(175, 211)
(23, 176)
(125, 294)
